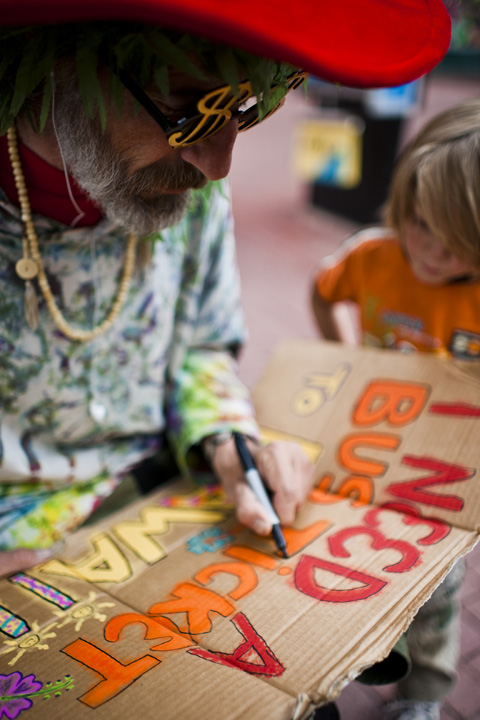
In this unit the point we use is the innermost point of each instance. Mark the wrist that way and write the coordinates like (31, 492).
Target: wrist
(210, 444)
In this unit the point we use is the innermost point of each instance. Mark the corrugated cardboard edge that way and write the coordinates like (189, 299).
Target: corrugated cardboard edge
(336, 688)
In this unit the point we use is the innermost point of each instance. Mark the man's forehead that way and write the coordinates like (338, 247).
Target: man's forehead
(181, 84)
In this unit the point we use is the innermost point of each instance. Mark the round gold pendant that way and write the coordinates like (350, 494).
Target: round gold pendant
(26, 268)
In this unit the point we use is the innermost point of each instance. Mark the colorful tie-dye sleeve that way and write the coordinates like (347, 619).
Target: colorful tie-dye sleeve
(206, 395)
(207, 398)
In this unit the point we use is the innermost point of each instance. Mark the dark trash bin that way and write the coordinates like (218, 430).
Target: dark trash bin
(380, 116)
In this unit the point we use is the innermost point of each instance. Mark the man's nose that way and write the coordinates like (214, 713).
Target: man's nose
(213, 156)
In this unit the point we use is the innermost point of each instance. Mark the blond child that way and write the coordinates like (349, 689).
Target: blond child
(415, 285)
(415, 282)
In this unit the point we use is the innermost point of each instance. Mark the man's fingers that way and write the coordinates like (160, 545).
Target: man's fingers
(15, 560)
(289, 475)
(250, 512)
(286, 471)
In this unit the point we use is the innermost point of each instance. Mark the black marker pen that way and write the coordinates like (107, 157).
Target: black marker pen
(253, 478)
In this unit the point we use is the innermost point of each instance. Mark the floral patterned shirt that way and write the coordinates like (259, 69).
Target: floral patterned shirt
(75, 416)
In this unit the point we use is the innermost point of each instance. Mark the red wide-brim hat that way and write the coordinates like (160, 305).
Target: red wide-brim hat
(359, 43)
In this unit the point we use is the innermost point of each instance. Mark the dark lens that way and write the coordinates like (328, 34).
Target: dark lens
(247, 118)
(250, 117)
(297, 80)
(195, 129)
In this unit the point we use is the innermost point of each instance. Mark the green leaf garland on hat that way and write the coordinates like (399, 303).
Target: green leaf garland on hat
(28, 55)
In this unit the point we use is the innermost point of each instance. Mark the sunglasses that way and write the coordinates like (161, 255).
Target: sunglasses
(213, 110)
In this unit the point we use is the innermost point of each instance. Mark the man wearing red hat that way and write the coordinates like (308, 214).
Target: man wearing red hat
(120, 314)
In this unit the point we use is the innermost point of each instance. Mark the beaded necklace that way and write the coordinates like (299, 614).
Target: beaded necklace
(31, 265)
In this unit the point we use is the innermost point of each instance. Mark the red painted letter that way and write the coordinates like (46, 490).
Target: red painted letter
(305, 581)
(444, 474)
(380, 542)
(411, 516)
(254, 646)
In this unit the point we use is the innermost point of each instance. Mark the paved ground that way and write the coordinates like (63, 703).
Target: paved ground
(281, 238)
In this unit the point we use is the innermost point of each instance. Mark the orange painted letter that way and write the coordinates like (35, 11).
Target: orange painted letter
(197, 603)
(350, 460)
(358, 489)
(116, 677)
(154, 630)
(254, 557)
(396, 402)
(246, 575)
(299, 539)
(322, 492)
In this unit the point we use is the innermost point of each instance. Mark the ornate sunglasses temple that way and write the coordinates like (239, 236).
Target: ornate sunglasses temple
(142, 97)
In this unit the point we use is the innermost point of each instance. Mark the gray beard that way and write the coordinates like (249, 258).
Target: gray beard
(134, 200)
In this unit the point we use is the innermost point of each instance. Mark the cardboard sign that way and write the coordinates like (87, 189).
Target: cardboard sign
(172, 609)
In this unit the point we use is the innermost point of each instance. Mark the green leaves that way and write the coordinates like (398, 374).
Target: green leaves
(87, 49)
(26, 60)
(46, 102)
(228, 63)
(34, 67)
(172, 54)
(28, 56)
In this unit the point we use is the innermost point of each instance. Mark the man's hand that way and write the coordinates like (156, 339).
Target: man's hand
(286, 471)
(15, 560)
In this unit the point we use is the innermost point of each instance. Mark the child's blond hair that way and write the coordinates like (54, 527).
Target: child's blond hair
(438, 176)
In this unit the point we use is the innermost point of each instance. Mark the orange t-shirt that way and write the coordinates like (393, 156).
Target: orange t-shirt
(397, 310)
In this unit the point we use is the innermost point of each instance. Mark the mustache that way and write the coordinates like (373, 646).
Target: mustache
(162, 176)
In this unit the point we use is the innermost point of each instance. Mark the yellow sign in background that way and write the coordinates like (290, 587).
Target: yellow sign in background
(329, 151)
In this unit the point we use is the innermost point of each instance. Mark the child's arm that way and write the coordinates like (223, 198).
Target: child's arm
(336, 321)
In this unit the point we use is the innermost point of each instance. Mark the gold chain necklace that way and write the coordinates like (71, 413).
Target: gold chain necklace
(31, 265)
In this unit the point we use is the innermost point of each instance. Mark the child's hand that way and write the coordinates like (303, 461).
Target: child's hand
(336, 321)
(348, 323)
